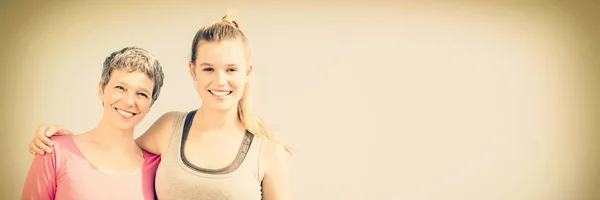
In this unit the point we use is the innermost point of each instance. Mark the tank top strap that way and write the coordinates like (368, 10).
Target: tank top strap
(252, 160)
(178, 125)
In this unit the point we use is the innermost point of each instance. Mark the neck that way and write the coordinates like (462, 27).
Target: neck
(109, 136)
(218, 120)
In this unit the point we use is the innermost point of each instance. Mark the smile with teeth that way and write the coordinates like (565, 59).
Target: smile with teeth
(220, 93)
(125, 113)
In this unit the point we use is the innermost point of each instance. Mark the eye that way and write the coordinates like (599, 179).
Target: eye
(120, 87)
(143, 95)
(208, 69)
(232, 69)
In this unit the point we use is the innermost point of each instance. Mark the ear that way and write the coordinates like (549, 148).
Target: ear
(100, 91)
(192, 68)
(249, 73)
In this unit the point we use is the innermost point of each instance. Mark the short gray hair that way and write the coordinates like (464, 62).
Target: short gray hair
(134, 59)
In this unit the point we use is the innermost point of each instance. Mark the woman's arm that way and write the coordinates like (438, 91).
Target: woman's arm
(276, 180)
(41, 143)
(156, 139)
(40, 183)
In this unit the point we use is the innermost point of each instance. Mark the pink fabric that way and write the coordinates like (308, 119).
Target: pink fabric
(66, 175)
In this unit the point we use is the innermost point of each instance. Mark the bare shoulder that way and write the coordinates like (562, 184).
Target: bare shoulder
(276, 179)
(156, 138)
(275, 149)
(274, 154)
(163, 125)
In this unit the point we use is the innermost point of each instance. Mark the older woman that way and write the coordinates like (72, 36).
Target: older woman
(105, 162)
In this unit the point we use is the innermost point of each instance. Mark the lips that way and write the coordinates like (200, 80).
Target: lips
(220, 93)
(125, 113)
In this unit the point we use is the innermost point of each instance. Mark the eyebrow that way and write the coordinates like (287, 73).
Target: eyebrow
(205, 64)
(143, 89)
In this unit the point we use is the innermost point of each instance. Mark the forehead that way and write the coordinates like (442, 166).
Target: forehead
(222, 53)
(135, 79)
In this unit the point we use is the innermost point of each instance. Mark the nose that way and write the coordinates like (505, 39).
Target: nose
(129, 99)
(222, 78)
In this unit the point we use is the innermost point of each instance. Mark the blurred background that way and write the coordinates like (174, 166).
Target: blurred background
(421, 100)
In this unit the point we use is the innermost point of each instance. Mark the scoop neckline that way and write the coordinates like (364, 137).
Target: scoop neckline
(133, 174)
(229, 169)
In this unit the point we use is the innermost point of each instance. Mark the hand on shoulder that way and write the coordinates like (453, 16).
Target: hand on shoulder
(41, 142)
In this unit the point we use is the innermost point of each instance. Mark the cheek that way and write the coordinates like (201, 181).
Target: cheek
(202, 81)
(144, 105)
(239, 90)
(111, 97)
(238, 82)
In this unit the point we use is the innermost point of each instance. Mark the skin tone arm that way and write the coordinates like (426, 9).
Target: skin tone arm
(41, 143)
(154, 140)
(276, 180)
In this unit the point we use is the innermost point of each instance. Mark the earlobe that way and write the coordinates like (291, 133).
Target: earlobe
(249, 73)
(100, 91)
(192, 69)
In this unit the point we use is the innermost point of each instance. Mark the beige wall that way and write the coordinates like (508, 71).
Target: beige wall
(379, 101)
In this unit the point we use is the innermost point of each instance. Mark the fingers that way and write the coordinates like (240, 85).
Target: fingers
(32, 152)
(41, 146)
(41, 142)
(32, 145)
(47, 144)
(50, 131)
(41, 131)
(58, 130)
(44, 133)
(33, 149)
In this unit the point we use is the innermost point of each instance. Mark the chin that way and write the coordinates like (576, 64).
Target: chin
(222, 107)
(125, 125)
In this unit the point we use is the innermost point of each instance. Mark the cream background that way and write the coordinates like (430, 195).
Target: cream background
(426, 100)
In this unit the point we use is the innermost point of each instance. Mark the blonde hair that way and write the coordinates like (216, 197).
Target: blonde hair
(228, 29)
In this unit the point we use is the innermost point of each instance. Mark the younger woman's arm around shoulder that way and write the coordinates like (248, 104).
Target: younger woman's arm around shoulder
(156, 138)
(276, 179)
(40, 183)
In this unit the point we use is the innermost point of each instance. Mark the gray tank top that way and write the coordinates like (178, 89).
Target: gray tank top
(178, 179)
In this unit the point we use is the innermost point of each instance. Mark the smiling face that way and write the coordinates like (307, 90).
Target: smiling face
(127, 98)
(220, 72)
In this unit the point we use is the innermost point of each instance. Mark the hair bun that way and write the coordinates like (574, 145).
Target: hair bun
(230, 18)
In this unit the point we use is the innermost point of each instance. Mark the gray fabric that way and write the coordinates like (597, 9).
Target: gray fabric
(178, 181)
